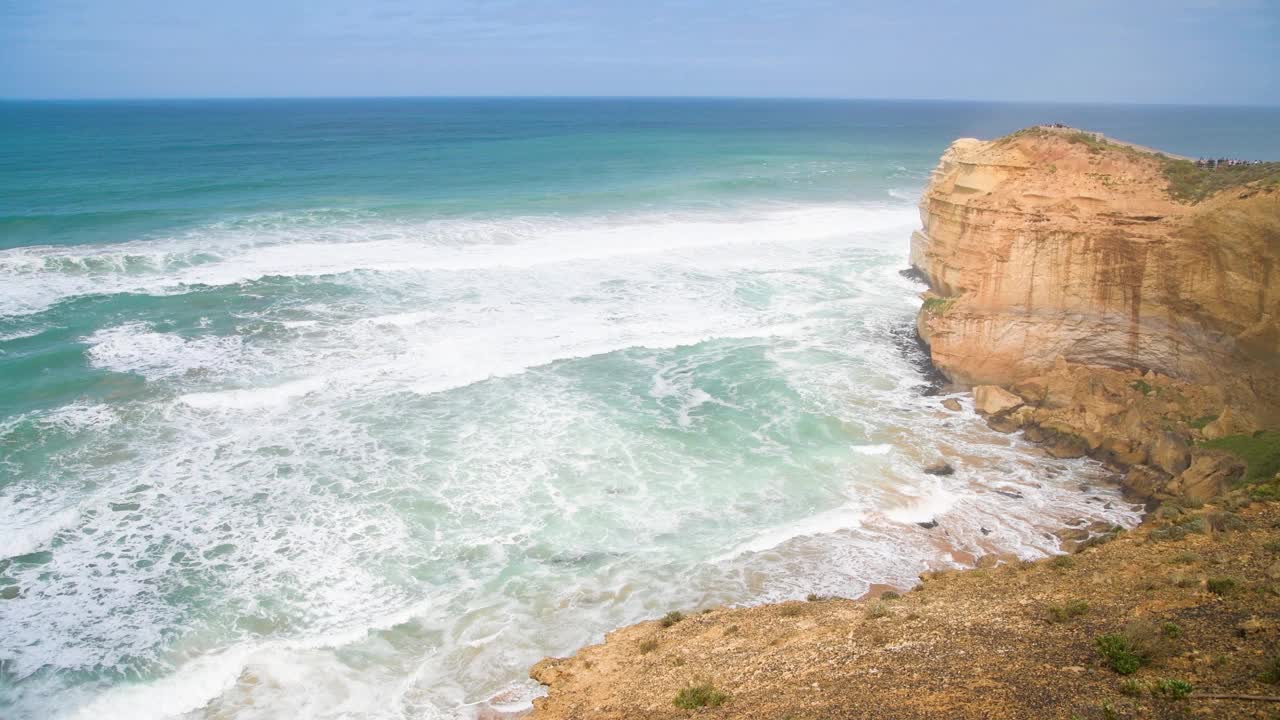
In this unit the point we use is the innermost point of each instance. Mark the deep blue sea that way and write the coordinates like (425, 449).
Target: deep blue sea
(357, 408)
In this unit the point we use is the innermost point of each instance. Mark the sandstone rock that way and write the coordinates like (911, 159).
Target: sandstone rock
(1124, 450)
(1049, 262)
(1143, 482)
(1209, 474)
(1229, 423)
(548, 670)
(951, 404)
(993, 400)
(1064, 445)
(1170, 453)
(1032, 390)
(940, 467)
(1003, 423)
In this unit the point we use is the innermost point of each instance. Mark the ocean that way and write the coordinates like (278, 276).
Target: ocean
(358, 408)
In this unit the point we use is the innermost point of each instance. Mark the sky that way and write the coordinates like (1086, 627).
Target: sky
(1141, 51)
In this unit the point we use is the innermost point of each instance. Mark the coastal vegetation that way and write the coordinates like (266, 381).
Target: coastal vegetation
(1188, 182)
(699, 696)
(1259, 450)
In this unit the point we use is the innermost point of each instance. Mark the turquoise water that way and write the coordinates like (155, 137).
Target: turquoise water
(358, 408)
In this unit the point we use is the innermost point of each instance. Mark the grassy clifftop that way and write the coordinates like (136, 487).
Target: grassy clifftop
(1188, 182)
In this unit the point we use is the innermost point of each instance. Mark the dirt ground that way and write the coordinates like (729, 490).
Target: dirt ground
(1197, 591)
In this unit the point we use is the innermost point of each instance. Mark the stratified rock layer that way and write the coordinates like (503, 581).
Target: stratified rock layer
(1053, 243)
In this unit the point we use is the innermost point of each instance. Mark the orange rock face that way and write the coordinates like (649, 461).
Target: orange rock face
(1054, 243)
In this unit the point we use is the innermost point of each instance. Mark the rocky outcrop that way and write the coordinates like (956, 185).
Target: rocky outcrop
(1052, 244)
(1125, 321)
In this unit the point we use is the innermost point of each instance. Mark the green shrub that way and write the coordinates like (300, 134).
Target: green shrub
(1066, 611)
(1200, 422)
(1226, 522)
(1140, 643)
(1181, 527)
(1062, 562)
(889, 595)
(1171, 630)
(1259, 451)
(1221, 585)
(1189, 183)
(877, 610)
(1271, 670)
(1118, 653)
(1142, 386)
(937, 305)
(1133, 688)
(1174, 689)
(698, 696)
(648, 646)
(671, 618)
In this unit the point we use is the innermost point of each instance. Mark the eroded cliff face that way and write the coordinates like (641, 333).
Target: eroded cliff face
(1051, 244)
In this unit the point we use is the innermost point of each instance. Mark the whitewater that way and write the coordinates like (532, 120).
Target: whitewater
(477, 443)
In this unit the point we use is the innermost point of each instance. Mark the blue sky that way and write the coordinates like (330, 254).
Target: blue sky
(1188, 51)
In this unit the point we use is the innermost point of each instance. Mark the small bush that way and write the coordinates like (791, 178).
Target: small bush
(1266, 491)
(648, 646)
(1142, 386)
(1221, 585)
(698, 696)
(1174, 689)
(1068, 610)
(813, 597)
(731, 630)
(877, 610)
(1271, 670)
(1171, 630)
(1226, 522)
(1062, 562)
(790, 610)
(1140, 643)
(1180, 528)
(1185, 558)
(1273, 546)
(937, 305)
(1118, 653)
(671, 618)
(889, 595)
(1133, 688)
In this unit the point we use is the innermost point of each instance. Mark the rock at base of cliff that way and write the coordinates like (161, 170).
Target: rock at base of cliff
(1229, 423)
(1142, 482)
(1062, 445)
(1209, 475)
(951, 404)
(939, 468)
(1170, 453)
(994, 400)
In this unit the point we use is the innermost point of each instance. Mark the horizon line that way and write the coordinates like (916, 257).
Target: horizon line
(829, 98)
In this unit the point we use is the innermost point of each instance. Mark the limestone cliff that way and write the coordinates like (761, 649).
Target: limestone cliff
(1055, 243)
